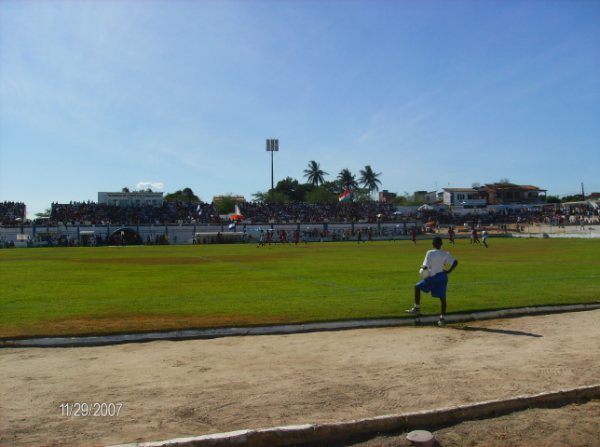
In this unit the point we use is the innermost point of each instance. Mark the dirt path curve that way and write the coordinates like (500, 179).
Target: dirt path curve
(172, 389)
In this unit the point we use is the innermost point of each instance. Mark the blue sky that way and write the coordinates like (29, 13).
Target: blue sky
(99, 95)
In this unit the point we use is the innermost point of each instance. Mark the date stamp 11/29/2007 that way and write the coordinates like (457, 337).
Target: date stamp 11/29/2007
(90, 409)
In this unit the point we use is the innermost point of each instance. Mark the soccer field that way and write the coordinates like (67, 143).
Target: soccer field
(69, 291)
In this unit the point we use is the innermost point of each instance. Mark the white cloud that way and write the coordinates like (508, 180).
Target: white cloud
(152, 185)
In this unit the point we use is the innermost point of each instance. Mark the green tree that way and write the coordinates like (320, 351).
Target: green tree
(347, 180)
(369, 179)
(361, 195)
(286, 190)
(572, 198)
(321, 194)
(271, 196)
(289, 187)
(261, 196)
(405, 199)
(276, 196)
(183, 195)
(225, 204)
(314, 174)
(552, 199)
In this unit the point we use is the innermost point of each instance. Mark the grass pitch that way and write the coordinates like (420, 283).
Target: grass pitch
(76, 291)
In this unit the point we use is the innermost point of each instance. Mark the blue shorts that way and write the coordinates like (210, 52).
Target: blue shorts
(435, 284)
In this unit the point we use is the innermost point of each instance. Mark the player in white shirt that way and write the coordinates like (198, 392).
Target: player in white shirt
(484, 238)
(435, 261)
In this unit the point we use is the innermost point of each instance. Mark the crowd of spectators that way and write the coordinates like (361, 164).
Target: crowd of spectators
(169, 213)
(193, 212)
(12, 213)
(262, 212)
(536, 215)
(85, 213)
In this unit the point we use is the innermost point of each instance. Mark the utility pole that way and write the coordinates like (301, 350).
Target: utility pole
(582, 192)
(272, 146)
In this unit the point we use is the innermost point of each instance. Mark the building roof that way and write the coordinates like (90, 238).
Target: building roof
(460, 189)
(530, 188)
(511, 186)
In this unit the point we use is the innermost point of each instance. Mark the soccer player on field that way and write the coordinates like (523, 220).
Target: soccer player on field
(451, 235)
(474, 237)
(437, 282)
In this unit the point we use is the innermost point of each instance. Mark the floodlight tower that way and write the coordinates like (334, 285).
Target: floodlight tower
(272, 146)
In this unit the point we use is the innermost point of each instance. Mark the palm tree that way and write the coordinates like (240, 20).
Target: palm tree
(368, 179)
(314, 174)
(347, 179)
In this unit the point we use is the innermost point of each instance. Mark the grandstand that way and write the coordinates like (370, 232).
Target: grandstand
(178, 222)
(12, 213)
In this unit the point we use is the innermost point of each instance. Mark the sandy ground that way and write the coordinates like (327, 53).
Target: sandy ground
(575, 425)
(174, 389)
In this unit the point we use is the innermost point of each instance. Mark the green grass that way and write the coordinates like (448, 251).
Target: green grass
(60, 291)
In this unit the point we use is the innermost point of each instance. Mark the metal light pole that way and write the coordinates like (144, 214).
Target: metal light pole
(272, 146)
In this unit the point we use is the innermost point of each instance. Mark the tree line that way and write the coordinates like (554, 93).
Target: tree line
(318, 190)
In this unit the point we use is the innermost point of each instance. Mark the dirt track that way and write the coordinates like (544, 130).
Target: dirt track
(173, 389)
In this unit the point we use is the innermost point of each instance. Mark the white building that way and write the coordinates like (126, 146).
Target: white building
(469, 197)
(126, 199)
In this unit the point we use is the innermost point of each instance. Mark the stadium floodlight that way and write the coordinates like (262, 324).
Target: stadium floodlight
(272, 146)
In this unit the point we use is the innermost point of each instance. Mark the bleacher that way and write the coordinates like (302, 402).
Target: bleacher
(12, 213)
